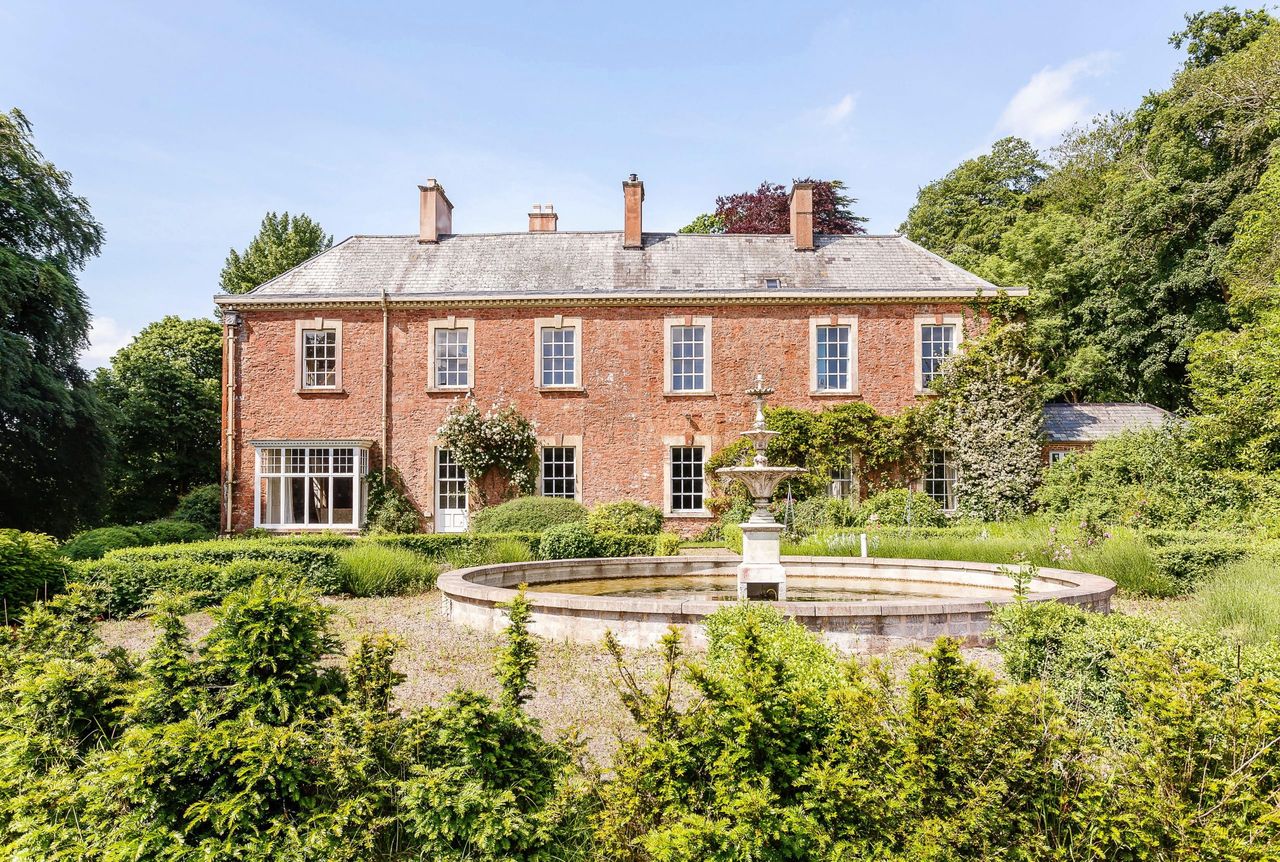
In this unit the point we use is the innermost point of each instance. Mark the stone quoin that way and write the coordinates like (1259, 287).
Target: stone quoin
(630, 350)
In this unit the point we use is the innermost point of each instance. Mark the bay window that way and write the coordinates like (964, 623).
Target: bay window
(315, 485)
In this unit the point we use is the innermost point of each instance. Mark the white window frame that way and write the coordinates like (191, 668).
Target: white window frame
(317, 324)
(562, 441)
(670, 443)
(558, 322)
(854, 482)
(1056, 455)
(669, 324)
(921, 321)
(359, 471)
(452, 323)
(849, 321)
(948, 503)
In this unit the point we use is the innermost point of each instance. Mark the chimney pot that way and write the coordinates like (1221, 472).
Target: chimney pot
(435, 212)
(802, 216)
(633, 213)
(542, 218)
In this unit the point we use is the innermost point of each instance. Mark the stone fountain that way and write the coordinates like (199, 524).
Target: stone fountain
(760, 575)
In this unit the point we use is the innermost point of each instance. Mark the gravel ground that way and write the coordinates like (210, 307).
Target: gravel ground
(575, 682)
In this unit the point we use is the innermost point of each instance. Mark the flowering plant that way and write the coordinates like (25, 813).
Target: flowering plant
(500, 439)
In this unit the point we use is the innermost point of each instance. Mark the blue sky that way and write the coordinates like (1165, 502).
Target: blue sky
(183, 123)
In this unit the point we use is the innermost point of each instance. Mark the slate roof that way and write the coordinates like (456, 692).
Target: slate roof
(1088, 423)
(587, 265)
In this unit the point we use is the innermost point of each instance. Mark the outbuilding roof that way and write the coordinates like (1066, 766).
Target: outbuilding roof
(594, 266)
(1088, 423)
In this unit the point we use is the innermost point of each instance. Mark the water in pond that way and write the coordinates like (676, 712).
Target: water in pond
(718, 587)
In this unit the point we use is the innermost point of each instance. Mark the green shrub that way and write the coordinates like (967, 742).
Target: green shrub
(380, 570)
(527, 515)
(899, 507)
(819, 513)
(128, 585)
(626, 516)
(623, 545)
(567, 542)
(318, 563)
(732, 537)
(508, 551)
(30, 566)
(1188, 562)
(94, 544)
(241, 574)
(440, 546)
(667, 545)
(169, 531)
(389, 509)
(201, 506)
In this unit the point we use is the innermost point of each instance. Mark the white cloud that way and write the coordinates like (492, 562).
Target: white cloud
(837, 113)
(106, 336)
(1050, 103)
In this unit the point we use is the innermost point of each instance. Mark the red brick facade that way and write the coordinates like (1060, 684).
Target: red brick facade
(624, 420)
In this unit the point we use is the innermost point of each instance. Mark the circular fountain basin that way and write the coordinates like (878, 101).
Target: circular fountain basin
(855, 603)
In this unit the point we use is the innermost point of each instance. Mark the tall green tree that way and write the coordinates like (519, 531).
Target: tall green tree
(51, 443)
(162, 392)
(964, 215)
(282, 242)
(1127, 242)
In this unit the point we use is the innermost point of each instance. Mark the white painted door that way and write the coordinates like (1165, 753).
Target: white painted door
(451, 494)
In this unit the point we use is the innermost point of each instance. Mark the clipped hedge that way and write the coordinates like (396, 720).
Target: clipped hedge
(527, 515)
(569, 542)
(128, 584)
(437, 546)
(317, 561)
(626, 516)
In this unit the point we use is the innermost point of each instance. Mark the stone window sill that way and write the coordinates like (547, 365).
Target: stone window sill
(553, 390)
(834, 393)
(321, 392)
(707, 394)
(447, 390)
(702, 515)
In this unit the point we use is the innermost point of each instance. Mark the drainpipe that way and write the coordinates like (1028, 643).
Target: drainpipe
(385, 382)
(231, 323)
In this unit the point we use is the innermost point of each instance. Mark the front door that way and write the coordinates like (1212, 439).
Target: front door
(451, 494)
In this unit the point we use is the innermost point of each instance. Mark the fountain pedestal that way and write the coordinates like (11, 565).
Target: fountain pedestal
(760, 575)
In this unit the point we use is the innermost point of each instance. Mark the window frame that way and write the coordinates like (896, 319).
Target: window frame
(956, 321)
(668, 363)
(950, 501)
(558, 322)
(451, 323)
(817, 322)
(359, 487)
(316, 324)
(563, 441)
(681, 441)
(1056, 455)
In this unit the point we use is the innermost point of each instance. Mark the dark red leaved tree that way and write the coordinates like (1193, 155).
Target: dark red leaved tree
(767, 210)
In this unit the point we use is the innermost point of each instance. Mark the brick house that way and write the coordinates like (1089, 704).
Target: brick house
(630, 351)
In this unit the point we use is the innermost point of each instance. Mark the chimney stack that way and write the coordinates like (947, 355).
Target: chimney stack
(633, 201)
(542, 218)
(802, 216)
(435, 214)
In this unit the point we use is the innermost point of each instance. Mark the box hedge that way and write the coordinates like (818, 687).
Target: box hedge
(29, 567)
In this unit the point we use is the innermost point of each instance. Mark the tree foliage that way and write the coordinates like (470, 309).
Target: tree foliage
(1129, 242)
(163, 397)
(499, 439)
(282, 242)
(767, 209)
(52, 445)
